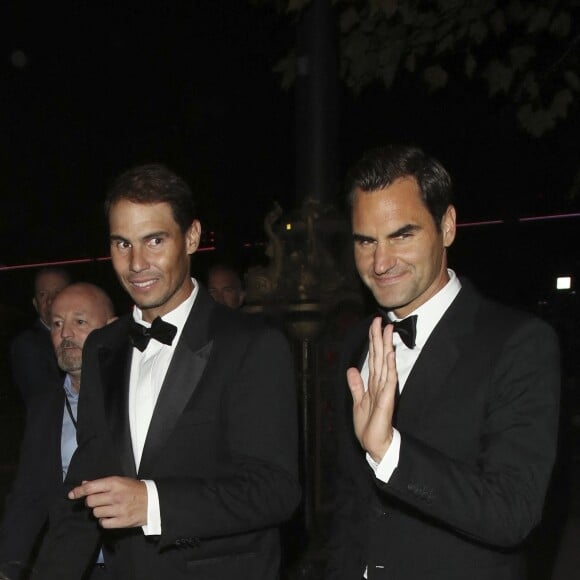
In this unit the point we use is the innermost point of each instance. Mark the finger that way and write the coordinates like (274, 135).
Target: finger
(90, 487)
(388, 338)
(109, 523)
(77, 492)
(107, 511)
(371, 355)
(98, 499)
(386, 398)
(355, 384)
(114, 523)
(375, 353)
(387, 347)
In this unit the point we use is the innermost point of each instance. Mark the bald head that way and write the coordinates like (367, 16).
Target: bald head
(77, 311)
(225, 286)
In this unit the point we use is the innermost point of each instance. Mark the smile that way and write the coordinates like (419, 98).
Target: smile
(144, 285)
(388, 279)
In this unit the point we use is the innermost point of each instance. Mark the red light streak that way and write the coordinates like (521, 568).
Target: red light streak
(75, 261)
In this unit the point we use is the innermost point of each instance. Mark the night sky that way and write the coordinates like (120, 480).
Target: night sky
(89, 89)
(107, 86)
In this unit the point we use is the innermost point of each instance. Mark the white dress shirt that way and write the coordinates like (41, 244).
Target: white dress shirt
(428, 315)
(148, 370)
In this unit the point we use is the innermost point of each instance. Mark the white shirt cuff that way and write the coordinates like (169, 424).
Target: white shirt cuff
(389, 462)
(153, 525)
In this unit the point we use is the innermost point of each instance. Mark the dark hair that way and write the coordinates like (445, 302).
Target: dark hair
(154, 183)
(225, 267)
(379, 168)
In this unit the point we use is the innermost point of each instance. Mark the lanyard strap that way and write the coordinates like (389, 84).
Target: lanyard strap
(69, 410)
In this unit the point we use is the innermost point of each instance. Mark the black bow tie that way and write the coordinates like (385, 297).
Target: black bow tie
(160, 330)
(406, 328)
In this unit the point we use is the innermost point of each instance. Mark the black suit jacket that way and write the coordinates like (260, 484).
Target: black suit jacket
(478, 422)
(221, 448)
(34, 365)
(38, 482)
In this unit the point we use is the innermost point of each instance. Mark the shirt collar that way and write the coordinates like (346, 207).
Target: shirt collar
(431, 312)
(68, 389)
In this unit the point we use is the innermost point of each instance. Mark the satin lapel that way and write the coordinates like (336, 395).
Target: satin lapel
(436, 361)
(115, 365)
(182, 378)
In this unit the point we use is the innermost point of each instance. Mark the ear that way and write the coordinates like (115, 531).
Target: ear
(112, 319)
(193, 237)
(448, 226)
(35, 304)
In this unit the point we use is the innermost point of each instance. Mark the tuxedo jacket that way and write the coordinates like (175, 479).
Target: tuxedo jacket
(221, 449)
(38, 481)
(478, 421)
(33, 362)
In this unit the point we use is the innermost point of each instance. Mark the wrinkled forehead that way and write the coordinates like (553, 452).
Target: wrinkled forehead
(223, 278)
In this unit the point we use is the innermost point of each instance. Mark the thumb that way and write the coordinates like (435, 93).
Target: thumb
(355, 384)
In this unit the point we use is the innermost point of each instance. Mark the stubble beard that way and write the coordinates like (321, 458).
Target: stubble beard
(69, 361)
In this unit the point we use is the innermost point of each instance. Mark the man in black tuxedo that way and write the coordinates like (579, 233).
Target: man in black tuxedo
(448, 425)
(50, 435)
(33, 363)
(187, 456)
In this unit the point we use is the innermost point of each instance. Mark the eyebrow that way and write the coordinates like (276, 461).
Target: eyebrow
(361, 238)
(406, 229)
(119, 238)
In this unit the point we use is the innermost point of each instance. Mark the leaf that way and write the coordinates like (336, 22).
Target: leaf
(561, 24)
(530, 85)
(572, 79)
(356, 46)
(540, 19)
(348, 19)
(560, 103)
(410, 63)
(499, 77)
(536, 122)
(388, 61)
(478, 31)
(446, 44)
(470, 65)
(297, 5)
(497, 22)
(387, 7)
(287, 69)
(521, 55)
(435, 77)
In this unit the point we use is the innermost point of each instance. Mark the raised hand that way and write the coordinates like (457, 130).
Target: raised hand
(373, 409)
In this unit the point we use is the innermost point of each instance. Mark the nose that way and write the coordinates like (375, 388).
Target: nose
(66, 330)
(218, 296)
(384, 259)
(50, 299)
(137, 260)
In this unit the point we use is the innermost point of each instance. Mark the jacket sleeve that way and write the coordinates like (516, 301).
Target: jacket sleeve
(496, 496)
(37, 480)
